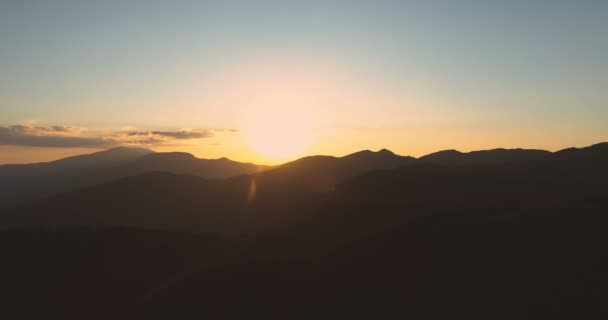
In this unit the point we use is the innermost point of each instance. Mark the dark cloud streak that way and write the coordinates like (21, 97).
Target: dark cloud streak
(72, 137)
(20, 135)
(179, 135)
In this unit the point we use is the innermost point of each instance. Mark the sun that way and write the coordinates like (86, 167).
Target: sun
(278, 133)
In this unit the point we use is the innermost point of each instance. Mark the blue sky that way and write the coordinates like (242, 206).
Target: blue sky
(493, 68)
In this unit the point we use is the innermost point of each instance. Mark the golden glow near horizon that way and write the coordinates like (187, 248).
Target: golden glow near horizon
(343, 77)
(282, 105)
(277, 133)
(284, 109)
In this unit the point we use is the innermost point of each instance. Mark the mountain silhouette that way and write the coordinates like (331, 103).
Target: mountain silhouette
(297, 191)
(107, 158)
(23, 182)
(26, 182)
(323, 173)
(521, 239)
(195, 204)
(484, 157)
(185, 163)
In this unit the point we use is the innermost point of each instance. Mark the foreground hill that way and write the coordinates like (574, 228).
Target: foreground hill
(522, 241)
(422, 270)
(25, 182)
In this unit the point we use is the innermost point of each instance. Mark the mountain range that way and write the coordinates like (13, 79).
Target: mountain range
(169, 191)
(26, 182)
(499, 234)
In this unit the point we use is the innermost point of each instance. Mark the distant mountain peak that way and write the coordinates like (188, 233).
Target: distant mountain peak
(449, 151)
(386, 151)
(368, 153)
(123, 149)
(486, 157)
(109, 156)
(443, 153)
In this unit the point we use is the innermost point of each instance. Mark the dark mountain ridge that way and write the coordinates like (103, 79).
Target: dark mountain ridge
(26, 182)
(107, 158)
(484, 157)
(296, 190)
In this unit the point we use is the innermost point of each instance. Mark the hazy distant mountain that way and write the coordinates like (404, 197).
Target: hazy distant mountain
(362, 182)
(22, 182)
(146, 200)
(25, 182)
(97, 160)
(185, 163)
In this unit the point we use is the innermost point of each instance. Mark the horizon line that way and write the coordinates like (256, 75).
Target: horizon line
(308, 156)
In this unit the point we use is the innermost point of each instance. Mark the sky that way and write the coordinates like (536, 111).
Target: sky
(270, 81)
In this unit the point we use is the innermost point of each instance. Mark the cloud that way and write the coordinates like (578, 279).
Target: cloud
(225, 130)
(35, 130)
(55, 136)
(72, 137)
(179, 135)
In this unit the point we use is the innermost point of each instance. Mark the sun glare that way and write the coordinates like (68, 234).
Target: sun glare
(278, 134)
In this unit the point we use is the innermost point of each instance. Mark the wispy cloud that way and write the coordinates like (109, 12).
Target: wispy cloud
(71, 137)
(225, 130)
(179, 135)
(54, 136)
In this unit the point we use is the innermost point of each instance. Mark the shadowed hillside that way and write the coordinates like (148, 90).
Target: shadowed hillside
(294, 191)
(518, 239)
